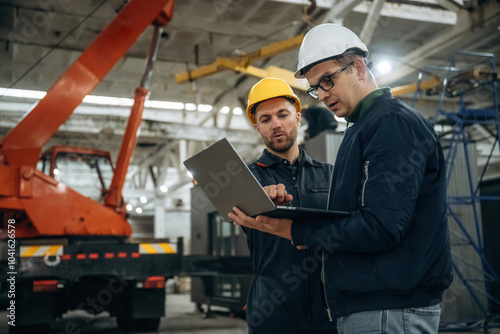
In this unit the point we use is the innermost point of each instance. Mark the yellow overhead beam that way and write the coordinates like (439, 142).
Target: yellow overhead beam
(271, 50)
(406, 89)
(301, 84)
(241, 62)
(277, 72)
(205, 71)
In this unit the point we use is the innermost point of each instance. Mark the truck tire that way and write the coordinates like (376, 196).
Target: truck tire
(150, 324)
(30, 329)
(138, 325)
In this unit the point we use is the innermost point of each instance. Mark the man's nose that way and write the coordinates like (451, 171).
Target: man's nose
(322, 94)
(276, 123)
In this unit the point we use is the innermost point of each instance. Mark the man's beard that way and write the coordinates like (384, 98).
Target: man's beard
(283, 146)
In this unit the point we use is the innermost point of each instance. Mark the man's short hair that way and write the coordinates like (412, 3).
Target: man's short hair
(254, 107)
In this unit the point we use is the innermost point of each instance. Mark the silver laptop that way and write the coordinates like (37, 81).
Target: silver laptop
(226, 180)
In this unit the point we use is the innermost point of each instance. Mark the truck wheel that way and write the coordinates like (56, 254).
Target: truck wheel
(137, 325)
(127, 324)
(150, 324)
(30, 329)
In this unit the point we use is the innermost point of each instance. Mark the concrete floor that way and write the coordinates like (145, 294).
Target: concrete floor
(182, 317)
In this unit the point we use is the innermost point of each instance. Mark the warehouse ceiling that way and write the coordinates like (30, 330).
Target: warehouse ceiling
(41, 39)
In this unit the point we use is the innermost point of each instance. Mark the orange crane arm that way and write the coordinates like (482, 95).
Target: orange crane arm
(114, 197)
(23, 144)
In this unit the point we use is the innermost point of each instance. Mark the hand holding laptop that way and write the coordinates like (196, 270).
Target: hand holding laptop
(281, 227)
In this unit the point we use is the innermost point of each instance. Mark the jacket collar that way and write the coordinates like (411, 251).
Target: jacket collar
(365, 104)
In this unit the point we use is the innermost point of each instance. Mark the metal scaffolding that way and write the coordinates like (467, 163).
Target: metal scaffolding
(467, 113)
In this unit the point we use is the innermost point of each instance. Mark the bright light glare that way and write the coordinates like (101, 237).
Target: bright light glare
(138, 210)
(56, 171)
(143, 199)
(204, 107)
(129, 207)
(27, 94)
(108, 100)
(104, 100)
(164, 188)
(189, 174)
(164, 105)
(384, 66)
(126, 102)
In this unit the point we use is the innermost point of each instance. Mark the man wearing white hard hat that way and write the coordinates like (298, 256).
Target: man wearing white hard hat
(387, 265)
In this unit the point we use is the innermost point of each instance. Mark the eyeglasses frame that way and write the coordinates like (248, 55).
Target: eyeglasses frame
(329, 76)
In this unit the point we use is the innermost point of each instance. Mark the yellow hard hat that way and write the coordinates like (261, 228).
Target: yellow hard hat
(266, 89)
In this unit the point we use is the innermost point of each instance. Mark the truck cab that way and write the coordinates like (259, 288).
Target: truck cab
(88, 171)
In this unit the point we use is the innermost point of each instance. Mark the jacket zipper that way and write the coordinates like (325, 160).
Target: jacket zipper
(364, 184)
(308, 285)
(324, 287)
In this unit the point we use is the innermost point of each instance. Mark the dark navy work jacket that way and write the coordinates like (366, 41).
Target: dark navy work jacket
(393, 251)
(286, 293)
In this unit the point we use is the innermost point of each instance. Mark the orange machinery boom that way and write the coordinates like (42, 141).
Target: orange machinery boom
(48, 207)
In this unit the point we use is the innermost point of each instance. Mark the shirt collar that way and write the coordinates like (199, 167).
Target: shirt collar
(366, 103)
(276, 158)
(267, 158)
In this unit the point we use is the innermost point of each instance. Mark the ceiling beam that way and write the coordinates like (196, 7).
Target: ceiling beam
(423, 10)
(483, 17)
(154, 130)
(371, 21)
(410, 12)
(340, 9)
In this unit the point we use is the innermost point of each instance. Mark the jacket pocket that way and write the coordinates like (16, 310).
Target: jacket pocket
(318, 190)
(365, 176)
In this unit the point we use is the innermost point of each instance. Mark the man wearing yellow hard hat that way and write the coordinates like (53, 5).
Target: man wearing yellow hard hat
(386, 265)
(285, 295)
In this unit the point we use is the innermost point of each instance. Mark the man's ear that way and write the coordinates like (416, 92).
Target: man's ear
(256, 127)
(360, 68)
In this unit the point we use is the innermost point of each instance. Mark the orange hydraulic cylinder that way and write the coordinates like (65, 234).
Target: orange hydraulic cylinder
(114, 198)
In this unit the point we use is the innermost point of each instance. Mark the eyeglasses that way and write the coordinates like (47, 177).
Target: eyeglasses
(326, 83)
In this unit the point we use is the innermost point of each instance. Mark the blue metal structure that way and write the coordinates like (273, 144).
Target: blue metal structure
(473, 83)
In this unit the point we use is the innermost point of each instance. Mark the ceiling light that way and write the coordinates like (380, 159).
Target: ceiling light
(24, 93)
(143, 199)
(129, 207)
(108, 100)
(237, 111)
(384, 66)
(138, 210)
(163, 188)
(105, 100)
(204, 107)
(164, 105)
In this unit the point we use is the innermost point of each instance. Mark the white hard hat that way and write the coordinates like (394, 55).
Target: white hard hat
(327, 41)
